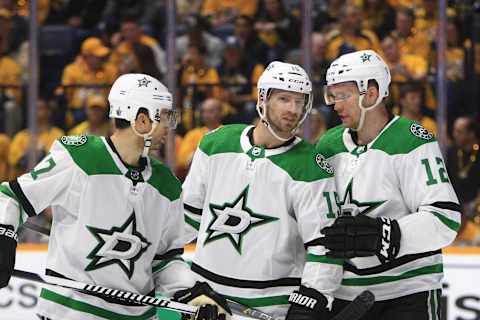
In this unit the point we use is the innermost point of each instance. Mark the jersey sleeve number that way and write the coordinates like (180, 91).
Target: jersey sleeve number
(442, 172)
(328, 197)
(50, 163)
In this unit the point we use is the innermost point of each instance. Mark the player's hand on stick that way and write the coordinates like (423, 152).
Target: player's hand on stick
(212, 306)
(308, 304)
(8, 246)
(362, 236)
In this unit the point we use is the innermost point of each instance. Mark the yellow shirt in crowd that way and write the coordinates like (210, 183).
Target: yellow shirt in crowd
(21, 144)
(79, 73)
(218, 7)
(10, 73)
(189, 145)
(4, 150)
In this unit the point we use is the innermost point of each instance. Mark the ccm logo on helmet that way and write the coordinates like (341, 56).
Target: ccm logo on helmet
(302, 300)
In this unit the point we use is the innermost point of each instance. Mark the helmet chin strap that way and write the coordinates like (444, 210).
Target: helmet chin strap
(147, 137)
(363, 110)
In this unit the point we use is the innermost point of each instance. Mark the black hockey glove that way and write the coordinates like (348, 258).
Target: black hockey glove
(362, 236)
(8, 246)
(307, 304)
(212, 306)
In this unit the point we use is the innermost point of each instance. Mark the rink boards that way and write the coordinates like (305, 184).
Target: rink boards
(461, 294)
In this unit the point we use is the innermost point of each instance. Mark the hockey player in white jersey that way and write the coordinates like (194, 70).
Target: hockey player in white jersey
(398, 206)
(117, 213)
(256, 198)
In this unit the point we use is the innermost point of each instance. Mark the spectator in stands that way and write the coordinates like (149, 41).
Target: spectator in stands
(10, 75)
(23, 141)
(211, 115)
(142, 60)
(326, 17)
(463, 160)
(97, 122)
(4, 151)
(320, 64)
(410, 40)
(410, 105)
(350, 36)
(14, 26)
(131, 33)
(238, 77)
(91, 70)
(278, 28)
(222, 14)
(197, 35)
(378, 16)
(255, 50)
(198, 81)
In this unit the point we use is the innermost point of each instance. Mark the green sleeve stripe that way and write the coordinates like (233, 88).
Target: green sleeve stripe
(163, 264)
(324, 259)
(354, 282)
(261, 302)
(5, 189)
(90, 308)
(192, 222)
(455, 226)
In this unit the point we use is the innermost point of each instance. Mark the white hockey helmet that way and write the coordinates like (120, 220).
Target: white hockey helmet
(133, 91)
(359, 67)
(284, 76)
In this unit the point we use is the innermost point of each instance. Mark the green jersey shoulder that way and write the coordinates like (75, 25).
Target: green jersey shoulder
(225, 139)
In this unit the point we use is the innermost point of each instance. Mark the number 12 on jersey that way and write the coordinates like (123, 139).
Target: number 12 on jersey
(442, 172)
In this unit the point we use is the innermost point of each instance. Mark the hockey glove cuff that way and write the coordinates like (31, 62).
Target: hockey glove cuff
(8, 246)
(308, 304)
(362, 236)
(212, 306)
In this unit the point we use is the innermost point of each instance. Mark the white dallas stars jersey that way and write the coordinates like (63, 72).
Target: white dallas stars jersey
(112, 225)
(400, 175)
(255, 210)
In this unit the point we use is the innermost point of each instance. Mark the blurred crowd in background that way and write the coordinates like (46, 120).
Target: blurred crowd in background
(222, 47)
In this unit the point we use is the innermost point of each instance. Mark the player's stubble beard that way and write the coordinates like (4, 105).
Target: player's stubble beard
(276, 124)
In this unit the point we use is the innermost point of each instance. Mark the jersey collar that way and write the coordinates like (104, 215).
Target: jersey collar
(352, 146)
(247, 143)
(121, 165)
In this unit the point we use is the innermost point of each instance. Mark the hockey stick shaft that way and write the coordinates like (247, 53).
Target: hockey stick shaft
(357, 308)
(107, 292)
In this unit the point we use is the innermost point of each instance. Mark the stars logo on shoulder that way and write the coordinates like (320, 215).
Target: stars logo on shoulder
(118, 245)
(143, 82)
(350, 205)
(234, 220)
(365, 57)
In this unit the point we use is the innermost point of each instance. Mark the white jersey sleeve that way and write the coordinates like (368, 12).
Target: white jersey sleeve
(194, 193)
(429, 195)
(171, 273)
(49, 183)
(315, 207)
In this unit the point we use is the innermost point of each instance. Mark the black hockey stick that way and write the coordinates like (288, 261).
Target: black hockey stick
(358, 307)
(107, 292)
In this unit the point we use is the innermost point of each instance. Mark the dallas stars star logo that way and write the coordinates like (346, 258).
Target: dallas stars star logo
(143, 82)
(363, 207)
(365, 57)
(234, 220)
(120, 245)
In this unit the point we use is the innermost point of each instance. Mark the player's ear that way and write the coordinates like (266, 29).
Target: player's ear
(143, 123)
(372, 93)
